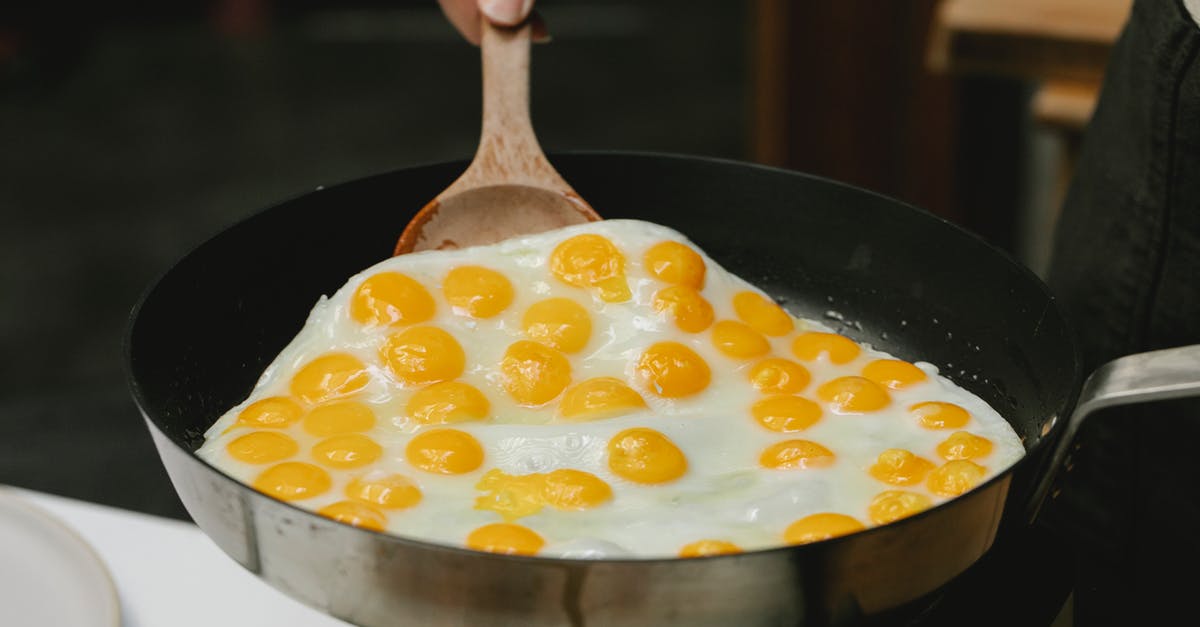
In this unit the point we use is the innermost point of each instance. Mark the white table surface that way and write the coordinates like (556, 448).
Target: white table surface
(168, 573)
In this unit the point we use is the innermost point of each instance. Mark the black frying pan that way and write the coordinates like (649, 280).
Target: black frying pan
(901, 279)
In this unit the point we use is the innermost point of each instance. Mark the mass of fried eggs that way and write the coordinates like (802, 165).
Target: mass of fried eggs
(599, 391)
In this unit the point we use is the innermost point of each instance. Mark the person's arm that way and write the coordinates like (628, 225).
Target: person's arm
(465, 15)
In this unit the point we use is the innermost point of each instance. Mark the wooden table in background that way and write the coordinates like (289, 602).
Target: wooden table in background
(1061, 47)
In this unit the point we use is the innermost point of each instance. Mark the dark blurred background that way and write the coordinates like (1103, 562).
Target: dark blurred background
(132, 131)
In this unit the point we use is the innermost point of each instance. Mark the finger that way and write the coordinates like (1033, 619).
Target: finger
(539, 34)
(506, 12)
(464, 15)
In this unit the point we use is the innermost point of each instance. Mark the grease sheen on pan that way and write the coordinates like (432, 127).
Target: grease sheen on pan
(602, 390)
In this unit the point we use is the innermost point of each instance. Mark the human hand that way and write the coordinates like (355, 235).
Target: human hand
(465, 16)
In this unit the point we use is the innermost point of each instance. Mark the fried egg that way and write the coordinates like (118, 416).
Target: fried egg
(604, 390)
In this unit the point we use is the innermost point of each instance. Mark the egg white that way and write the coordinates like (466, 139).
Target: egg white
(725, 493)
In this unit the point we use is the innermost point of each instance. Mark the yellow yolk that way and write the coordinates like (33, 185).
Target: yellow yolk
(444, 451)
(347, 451)
(786, 413)
(330, 376)
(893, 373)
(275, 412)
(293, 481)
(558, 323)
(893, 505)
(592, 261)
(853, 395)
(762, 315)
(601, 397)
(779, 376)
(391, 298)
(476, 291)
(389, 492)
(505, 538)
(791, 454)
(738, 340)
(355, 513)
(672, 370)
(964, 445)
(811, 345)
(823, 526)
(686, 307)
(338, 418)
(704, 548)
(448, 401)
(515, 496)
(938, 415)
(262, 447)
(645, 456)
(955, 477)
(900, 467)
(673, 262)
(423, 355)
(534, 373)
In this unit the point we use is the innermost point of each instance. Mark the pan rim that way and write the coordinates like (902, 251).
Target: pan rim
(1054, 432)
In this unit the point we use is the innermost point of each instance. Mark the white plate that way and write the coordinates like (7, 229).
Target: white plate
(48, 574)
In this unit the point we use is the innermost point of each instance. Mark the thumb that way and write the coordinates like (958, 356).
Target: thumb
(506, 12)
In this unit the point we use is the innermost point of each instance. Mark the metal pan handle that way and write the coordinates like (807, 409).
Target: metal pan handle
(1155, 376)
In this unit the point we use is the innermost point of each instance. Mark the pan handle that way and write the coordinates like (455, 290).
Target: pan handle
(1154, 376)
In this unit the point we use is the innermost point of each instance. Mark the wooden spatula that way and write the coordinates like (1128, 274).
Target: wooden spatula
(509, 188)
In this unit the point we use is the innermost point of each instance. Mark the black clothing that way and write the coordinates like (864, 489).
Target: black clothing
(1126, 267)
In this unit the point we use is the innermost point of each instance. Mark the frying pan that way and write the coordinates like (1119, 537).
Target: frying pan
(884, 272)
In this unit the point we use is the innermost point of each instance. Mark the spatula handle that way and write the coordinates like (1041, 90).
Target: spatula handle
(508, 153)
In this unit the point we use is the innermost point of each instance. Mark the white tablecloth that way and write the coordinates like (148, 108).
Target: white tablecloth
(169, 574)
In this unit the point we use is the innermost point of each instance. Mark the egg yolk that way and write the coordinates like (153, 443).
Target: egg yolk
(738, 340)
(477, 291)
(355, 513)
(505, 538)
(791, 454)
(338, 418)
(347, 451)
(762, 315)
(938, 415)
(262, 447)
(853, 395)
(893, 373)
(330, 376)
(644, 455)
(388, 492)
(600, 397)
(448, 401)
(534, 373)
(823, 526)
(293, 481)
(893, 505)
(900, 467)
(423, 355)
(686, 307)
(391, 298)
(779, 376)
(275, 412)
(515, 496)
(558, 323)
(444, 452)
(676, 263)
(705, 548)
(955, 477)
(592, 261)
(786, 413)
(672, 370)
(964, 445)
(811, 345)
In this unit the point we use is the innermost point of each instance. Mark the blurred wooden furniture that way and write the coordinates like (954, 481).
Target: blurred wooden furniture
(1060, 48)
